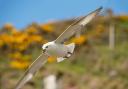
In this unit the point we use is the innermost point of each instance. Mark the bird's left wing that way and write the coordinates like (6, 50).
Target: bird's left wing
(34, 67)
(77, 25)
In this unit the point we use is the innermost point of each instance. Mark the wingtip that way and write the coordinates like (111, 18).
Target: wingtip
(23, 81)
(100, 8)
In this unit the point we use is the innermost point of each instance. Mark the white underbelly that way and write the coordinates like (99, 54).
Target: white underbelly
(59, 51)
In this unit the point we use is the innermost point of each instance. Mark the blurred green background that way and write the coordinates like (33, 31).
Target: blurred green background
(100, 60)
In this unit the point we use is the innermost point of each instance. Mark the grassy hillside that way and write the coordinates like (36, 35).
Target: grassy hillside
(92, 66)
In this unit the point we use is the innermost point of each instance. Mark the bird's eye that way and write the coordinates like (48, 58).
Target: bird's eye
(46, 47)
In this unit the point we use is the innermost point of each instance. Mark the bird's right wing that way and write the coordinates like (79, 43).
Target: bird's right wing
(34, 67)
(77, 25)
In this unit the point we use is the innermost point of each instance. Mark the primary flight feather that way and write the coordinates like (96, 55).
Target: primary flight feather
(77, 25)
(57, 47)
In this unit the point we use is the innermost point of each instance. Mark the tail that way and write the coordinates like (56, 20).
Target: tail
(71, 47)
(60, 59)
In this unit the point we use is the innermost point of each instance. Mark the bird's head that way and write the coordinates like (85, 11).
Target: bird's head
(47, 46)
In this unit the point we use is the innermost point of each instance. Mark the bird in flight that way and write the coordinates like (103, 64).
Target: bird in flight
(57, 47)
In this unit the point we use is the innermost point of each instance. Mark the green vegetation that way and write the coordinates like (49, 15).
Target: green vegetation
(92, 66)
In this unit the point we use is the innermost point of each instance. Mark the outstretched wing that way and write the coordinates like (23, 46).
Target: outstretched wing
(77, 25)
(34, 67)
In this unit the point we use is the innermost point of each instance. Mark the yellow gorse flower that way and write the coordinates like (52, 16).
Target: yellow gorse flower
(35, 38)
(52, 59)
(19, 56)
(19, 65)
(8, 26)
(16, 55)
(22, 46)
(7, 39)
(79, 40)
(31, 30)
(20, 38)
(47, 27)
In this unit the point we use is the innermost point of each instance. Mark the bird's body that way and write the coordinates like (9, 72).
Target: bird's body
(61, 51)
(54, 49)
(57, 47)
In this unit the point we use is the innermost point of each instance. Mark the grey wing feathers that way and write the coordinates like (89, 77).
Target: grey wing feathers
(77, 25)
(68, 33)
(34, 67)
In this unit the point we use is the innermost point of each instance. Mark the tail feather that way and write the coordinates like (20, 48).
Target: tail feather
(71, 47)
(60, 59)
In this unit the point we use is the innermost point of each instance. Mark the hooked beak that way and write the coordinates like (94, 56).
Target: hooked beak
(44, 50)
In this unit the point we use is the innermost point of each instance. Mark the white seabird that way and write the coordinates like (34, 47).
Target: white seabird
(57, 47)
